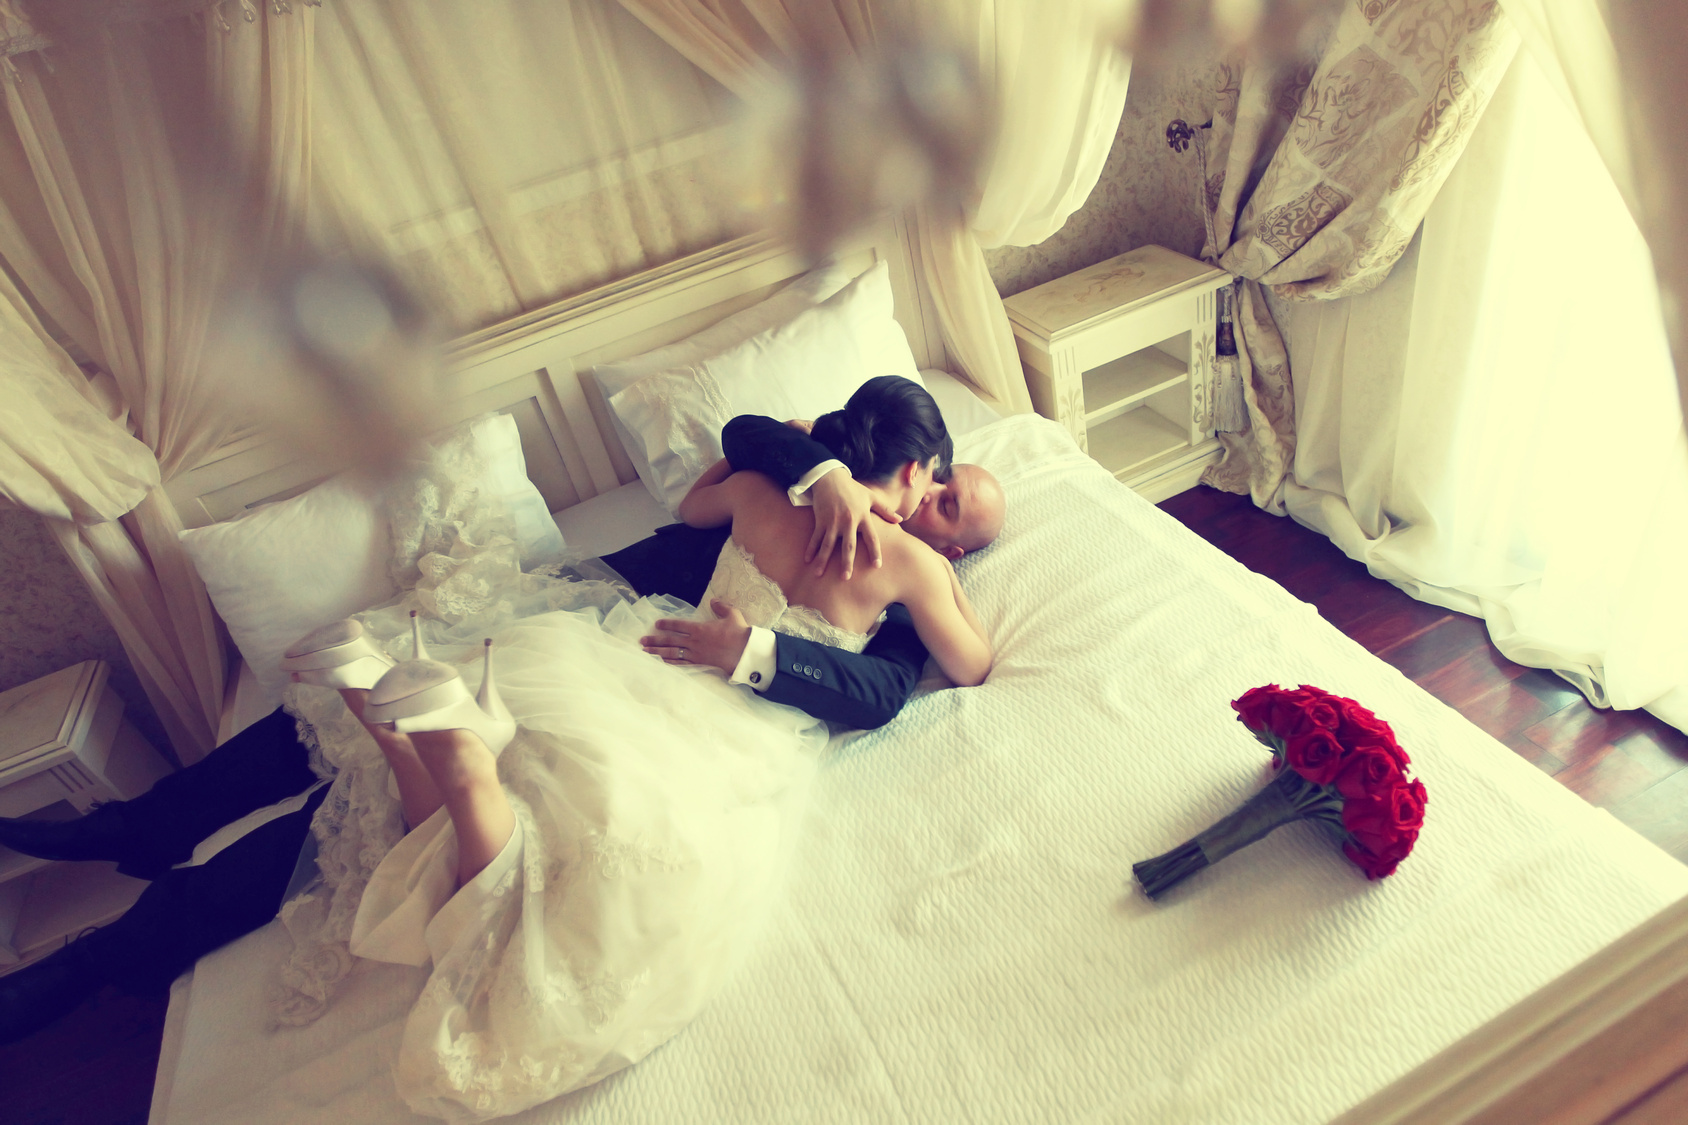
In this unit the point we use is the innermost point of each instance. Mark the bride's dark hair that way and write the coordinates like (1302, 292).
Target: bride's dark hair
(887, 423)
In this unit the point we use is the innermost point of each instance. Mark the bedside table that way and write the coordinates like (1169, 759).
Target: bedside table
(64, 745)
(1122, 354)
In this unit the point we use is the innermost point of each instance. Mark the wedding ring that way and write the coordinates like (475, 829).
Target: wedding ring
(682, 654)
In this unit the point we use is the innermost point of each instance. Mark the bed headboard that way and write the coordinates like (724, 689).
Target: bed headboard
(536, 367)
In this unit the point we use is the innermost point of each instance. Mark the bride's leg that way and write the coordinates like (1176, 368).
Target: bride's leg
(466, 775)
(417, 791)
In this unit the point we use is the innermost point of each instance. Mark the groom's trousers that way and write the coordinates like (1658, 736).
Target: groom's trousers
(186, 912)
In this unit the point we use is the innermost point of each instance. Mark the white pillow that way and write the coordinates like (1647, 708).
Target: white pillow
(800, 369)
(286, 568)
(963, 410)
(613, 378)
(499, 444)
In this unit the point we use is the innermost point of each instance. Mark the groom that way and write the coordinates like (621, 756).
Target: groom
(190, 910)
(961, 513)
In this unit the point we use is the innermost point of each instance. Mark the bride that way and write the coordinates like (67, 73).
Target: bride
(581, 883)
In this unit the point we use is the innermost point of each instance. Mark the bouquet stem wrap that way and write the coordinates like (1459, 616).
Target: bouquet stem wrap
(1289, 798)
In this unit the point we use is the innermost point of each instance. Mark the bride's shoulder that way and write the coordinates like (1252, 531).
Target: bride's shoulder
(749, 482)
(908, 554)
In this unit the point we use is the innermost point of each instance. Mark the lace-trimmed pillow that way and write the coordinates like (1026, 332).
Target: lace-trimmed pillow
(285, 568)
(799, 369)
(612, 378)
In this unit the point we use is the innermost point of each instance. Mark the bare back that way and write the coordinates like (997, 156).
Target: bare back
(776, 535)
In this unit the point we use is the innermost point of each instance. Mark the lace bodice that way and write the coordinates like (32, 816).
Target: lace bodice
(738, 581)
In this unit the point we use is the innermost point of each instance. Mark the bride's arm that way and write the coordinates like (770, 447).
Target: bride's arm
(710, 501)
(945, 620)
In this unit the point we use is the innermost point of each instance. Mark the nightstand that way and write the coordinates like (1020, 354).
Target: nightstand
(64, 745)
(1122, 354)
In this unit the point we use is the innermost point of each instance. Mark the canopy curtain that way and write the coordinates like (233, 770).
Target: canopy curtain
(125, 260)
(1630, 113)
(1496, 428)
(62, 453)
(1059, 88)
(506, 155)
(1314, 180)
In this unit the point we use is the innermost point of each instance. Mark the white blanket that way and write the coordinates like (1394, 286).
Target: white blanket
(961, 940)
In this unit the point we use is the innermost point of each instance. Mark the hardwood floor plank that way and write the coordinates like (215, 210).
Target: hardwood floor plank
(1547, 686)
(1657, 813)
(1478, 672)
(1432, 650)
(1504, 712)
(1609, 777)
(1395, 622)
(1542, 759)
(1576, 731)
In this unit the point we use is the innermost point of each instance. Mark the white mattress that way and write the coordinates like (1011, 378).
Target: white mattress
(960, 939)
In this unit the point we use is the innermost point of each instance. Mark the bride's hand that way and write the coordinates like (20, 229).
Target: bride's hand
(714, 644)
(843, 508)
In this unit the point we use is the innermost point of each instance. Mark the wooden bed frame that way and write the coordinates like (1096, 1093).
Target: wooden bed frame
(1610, 1034)
(536, 367)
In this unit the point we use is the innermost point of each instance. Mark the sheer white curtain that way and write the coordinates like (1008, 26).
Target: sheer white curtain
(1059, 86)
(1496, 427)
(62, 453)
(509, 154)
(128, 264)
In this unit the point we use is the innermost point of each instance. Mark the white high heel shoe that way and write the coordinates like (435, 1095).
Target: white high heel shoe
(428, 695)
(342, 656)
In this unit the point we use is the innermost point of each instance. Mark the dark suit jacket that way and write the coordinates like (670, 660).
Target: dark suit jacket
(864, 689)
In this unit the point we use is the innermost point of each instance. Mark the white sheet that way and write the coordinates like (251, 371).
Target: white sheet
(960, 940)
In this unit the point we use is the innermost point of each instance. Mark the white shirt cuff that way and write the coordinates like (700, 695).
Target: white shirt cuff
(757, 663)
(799, 492)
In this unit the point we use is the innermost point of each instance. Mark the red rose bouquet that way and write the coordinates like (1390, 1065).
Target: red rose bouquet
(1346, 772)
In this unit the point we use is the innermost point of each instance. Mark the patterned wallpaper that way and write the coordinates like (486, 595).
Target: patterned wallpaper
(1147, 192)
(48, 619)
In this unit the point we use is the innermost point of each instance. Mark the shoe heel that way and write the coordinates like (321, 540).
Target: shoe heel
(419, 651)
(421, 696)
(488, 698)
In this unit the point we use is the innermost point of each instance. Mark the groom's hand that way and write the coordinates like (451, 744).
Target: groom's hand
(716, 644)
(842, 510)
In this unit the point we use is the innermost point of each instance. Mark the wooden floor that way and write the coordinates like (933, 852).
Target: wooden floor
(96, 1066)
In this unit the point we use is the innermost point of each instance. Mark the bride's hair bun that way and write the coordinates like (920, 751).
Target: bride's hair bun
(887, 423)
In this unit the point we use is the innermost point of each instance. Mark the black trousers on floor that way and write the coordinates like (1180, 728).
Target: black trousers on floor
(189, 911)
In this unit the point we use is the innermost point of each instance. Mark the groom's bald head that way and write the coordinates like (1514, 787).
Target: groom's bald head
(961, 514)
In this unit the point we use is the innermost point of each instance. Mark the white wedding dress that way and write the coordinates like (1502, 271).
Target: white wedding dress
(655, 809)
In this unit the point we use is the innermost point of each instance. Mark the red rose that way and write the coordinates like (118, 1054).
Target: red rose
(1316, 755)
(1378, 865)
(1368, 771)
(1255, 706)
(1407, 805)
(1361, 727)
(1321, 711)
(1288, 714)
(1370, 820)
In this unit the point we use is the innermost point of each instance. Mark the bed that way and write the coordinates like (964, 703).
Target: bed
(959, 938)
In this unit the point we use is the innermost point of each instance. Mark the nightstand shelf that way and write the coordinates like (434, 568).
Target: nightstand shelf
(1136, 440)
(1122, 353)
(1115, 387)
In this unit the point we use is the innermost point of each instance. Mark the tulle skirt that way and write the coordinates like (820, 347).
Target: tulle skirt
(655, 807)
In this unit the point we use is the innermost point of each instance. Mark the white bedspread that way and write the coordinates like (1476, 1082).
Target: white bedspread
(960, 940)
